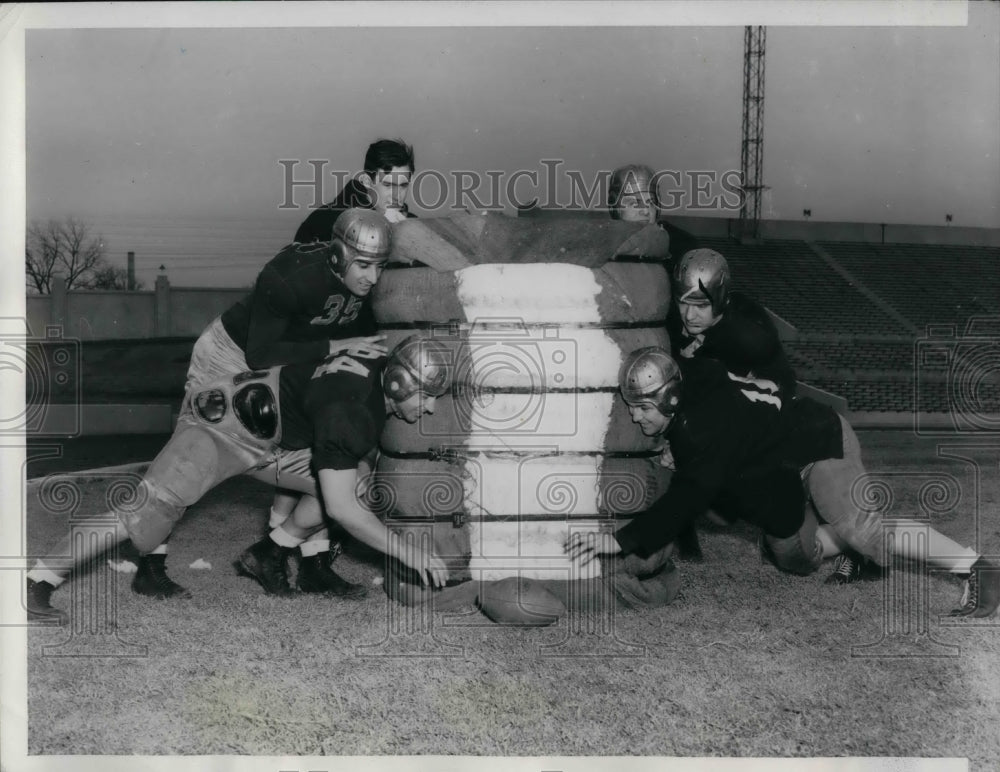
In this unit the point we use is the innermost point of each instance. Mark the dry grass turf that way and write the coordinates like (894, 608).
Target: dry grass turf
(748, 662)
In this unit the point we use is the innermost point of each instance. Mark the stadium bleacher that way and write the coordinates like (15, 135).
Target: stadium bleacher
(926, 284)
(795, 283)
(862, 310)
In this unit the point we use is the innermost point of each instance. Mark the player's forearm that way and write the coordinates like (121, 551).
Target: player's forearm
(269, 319)
(356, 518)
(656, 527)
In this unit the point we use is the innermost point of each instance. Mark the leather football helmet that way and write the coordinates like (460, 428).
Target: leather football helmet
(634, 179)
(703, 275)
(359, 233)
(651, 376)
(417, 364)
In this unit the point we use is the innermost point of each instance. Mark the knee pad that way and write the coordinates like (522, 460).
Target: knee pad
(152, 519)
(801, 553)
(791, 555)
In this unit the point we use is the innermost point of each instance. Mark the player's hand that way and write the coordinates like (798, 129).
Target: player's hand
(587, 547)
(431, 568)
(372, 343)
(394, 214)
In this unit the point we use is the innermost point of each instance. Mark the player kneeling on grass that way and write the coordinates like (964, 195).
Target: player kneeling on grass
(248, 422)
(746, 455)
(710, 321)
(353, 412)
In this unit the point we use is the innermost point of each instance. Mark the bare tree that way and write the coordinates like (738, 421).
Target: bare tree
(64, 248)
(111, 277)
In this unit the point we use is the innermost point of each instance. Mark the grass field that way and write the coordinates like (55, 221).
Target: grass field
(747, 662)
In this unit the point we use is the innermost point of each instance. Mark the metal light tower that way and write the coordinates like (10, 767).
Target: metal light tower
(752, 153)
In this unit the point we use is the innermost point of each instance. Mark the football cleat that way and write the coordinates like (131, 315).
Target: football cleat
(265, 562)
(152, 581)
(852, 567)
(982, 591)
(316, 574)
(39, 607)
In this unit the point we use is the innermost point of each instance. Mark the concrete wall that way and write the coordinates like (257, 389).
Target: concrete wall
(165, 312)
(109, 315)
(191, 309)
(37, 308)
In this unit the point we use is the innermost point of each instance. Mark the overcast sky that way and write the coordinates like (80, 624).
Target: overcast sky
(168, 140)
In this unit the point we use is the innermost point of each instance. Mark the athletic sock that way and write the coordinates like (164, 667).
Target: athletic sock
(960, 565)
(277, 518)
(41, 574)
(282, 538)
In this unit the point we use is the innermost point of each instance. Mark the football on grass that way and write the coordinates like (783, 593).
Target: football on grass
(523, 602)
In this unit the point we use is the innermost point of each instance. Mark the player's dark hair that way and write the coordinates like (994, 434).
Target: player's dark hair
(387, 153)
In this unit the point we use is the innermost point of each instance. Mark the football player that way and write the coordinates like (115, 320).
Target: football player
(308, 302)
(284, 425)
(709, 319)
(633, 197)
(383, 186)
(416, 374)
(731, 446)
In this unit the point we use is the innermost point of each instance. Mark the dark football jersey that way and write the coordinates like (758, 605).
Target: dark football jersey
(745, 340)
(297, 305)
(337, 407)
(731, 439)
(318, 226)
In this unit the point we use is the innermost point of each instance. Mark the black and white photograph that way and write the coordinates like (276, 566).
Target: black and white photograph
(543, 386)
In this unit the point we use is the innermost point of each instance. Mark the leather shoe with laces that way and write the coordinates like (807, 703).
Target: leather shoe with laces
(39, 607)
(152, 581)
(316, 574)
(982, 591)
(265, 561)
(851, 567)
